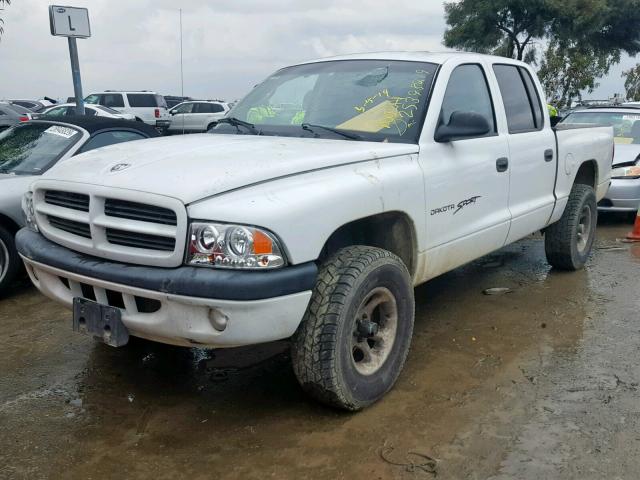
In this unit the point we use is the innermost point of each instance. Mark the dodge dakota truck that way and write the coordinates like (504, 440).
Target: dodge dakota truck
(312, 210)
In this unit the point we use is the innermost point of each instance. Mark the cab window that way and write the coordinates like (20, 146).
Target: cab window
(468, 91)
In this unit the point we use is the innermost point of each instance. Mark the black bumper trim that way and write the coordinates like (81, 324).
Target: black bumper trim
(188, 281)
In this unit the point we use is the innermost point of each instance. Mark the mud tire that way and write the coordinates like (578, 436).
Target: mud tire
(322, 351)
(10, 263)
(562, 239)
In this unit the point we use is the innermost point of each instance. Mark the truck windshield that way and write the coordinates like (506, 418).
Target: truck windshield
(375, 100)
(32, 148)
(626, 125)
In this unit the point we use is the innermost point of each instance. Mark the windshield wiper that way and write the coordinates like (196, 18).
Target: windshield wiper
(310, 126)
(236, 122)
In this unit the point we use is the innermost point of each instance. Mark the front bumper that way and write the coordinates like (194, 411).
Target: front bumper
(623, 196)
(186, 306)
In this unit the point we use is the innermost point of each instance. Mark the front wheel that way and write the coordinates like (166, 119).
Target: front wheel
(568, 242)
(9, 259)
(355, 336)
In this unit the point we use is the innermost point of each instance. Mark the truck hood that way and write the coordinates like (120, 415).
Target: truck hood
(194, 167)
(625, 153)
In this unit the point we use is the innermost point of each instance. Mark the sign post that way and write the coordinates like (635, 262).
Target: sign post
(71, 22)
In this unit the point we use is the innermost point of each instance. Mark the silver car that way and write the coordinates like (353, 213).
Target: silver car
(11, 115)
(624, 193)
(196, 116)
(30, 149)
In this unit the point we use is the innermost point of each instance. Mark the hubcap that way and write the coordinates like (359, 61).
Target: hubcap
(4, 260)
(584, 228)
(374, 331)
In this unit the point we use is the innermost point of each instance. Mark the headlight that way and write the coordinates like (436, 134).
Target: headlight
(29, 212)
(233, 246)
(628, 171)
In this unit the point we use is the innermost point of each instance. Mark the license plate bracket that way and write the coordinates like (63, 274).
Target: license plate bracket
(100, 321)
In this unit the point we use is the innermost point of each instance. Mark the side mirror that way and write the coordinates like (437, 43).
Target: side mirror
(462, 125)
(172, 112)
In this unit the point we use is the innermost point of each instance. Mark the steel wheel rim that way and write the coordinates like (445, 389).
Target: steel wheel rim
(369, 352)
(584, 229)
(4, 260)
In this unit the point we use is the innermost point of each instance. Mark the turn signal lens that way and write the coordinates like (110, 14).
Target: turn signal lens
(626, 172)
(233, 246)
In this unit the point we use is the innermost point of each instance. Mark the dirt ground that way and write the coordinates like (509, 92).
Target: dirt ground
(540, 383)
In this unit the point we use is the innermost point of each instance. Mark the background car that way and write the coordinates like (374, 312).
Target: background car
(30, 149)
(624, 193)
(69, 109)
(173, 100)
(34, 105)
(12, 114)
(196, 116)
(147, 106)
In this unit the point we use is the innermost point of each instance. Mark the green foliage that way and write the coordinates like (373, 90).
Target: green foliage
(584, 38)
(2, 3)
(567, 69)
(513, 27)
(501, 27)
(632, 83)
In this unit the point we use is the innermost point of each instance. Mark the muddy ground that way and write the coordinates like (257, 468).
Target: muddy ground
(539, 383)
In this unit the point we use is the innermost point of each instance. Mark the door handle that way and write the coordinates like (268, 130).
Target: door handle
(548, 155)
(502, 164)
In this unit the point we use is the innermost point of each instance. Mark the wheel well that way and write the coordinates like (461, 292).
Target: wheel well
(392, 231)
(588, 174)
(9, 224)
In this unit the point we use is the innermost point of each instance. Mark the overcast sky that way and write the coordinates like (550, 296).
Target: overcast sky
(228, 46)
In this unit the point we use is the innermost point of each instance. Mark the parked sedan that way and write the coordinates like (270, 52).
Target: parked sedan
(30, 149)
(11, 115)
(196, 116)
(624, 193)
(69, 109)
(34, 105)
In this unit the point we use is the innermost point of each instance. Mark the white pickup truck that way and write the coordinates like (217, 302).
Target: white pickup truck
(313, 209)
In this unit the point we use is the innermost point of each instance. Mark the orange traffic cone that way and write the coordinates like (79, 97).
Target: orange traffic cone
(634, 235)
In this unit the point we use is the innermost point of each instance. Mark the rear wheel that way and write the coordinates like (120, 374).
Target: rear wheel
(9, 258)
(569, 241)
(355, 336)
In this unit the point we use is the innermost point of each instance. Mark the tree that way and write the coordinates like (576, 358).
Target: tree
(632, 83)
(583, 38)
(566, 70)
(501, 27)
(2, 3)
(512, 27)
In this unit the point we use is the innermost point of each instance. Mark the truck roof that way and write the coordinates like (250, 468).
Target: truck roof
(417, 56)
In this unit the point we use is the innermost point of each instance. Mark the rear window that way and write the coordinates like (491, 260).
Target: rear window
(110, 138)
(143, 100)
(32, 148)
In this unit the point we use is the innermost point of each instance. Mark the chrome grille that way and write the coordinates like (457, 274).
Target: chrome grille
(140, 240)
(74, 201)
(139, 211)
(70, 226)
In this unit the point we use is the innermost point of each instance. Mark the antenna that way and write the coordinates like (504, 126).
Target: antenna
(181, 71)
